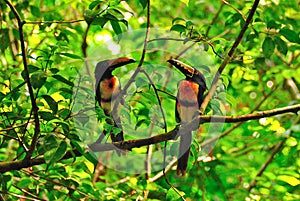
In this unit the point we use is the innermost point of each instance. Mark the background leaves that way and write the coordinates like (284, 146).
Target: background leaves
(263, 74)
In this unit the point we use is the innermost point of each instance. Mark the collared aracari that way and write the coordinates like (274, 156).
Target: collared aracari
(188, 101)
(108, 88)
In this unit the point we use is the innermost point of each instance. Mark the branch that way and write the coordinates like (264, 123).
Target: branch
(228, 58)
(27, 77)
(138, 69)
(19, 164)
(228, 131)
(55, 22)
(214, 19)
(276, 149)
(172, 135)
(128, 145)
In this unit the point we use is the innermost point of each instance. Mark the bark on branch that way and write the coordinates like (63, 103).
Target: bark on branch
(128, 145)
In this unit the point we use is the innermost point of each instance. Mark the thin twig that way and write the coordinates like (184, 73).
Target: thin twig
(27, 77)
(237, 10)
(33, 197)
(158, 100)
(228, 58)
(214, 19)
(171, 135)
(138, 69)
(161, 173)
(228, 131)
(276, 149)
(54, 22)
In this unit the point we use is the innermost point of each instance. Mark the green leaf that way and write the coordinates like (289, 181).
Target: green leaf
(268, 46)
(178, 27)
(290, 35)
(88, 155)
(116, 13)
(73, 56)
(3, 35)
(51, 103)
(83, 118)
(189, 24)
(47, 115)
(57, 153)
(177, 19)
(64, 80)
(32, 68)
(289, 179)
(38, 79)
(54, 70)
(23, 183)
(139, 123)
(174, 194)
(94, 4)
(143, 3)
(89, 16)
(116, 27)
(124, 22)
(273, 25)
(35, 11)
(281, 45)
(110, 17)
(141, 82)
(66, 92)
(233, 19)
(99, 21)
(186, 2)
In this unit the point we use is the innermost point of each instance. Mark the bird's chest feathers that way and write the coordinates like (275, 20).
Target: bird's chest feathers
(188, 92)
(109, 87)
(187, 100)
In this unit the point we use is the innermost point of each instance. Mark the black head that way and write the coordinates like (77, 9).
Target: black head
(190, 73)
(104, 68)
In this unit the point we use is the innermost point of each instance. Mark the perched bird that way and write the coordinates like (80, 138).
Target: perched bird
(188, 101)
(108, 88)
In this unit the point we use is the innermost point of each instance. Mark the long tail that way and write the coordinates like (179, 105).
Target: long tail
(184, 153)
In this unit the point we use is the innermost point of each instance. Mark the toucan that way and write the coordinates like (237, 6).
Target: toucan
(188, 101)
(108, 88)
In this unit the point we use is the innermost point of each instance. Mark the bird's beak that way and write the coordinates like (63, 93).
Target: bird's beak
(184, 68)
(115, 63)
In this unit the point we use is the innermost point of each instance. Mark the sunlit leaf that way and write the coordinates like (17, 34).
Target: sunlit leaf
(289, 179)
(174, 194)
(73, 56)
(51, 102)
(186, 2)
(290, 35)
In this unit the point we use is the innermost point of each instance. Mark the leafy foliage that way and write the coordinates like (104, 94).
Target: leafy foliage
(263, 74)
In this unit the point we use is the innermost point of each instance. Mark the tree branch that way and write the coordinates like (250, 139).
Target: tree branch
(19, 164)
(138, 69)
(171, 135)
(228, 131)
(54, 22)
(228, 58)
(27, 77)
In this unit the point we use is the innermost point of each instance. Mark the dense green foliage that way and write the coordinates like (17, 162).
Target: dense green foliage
(254, 160)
